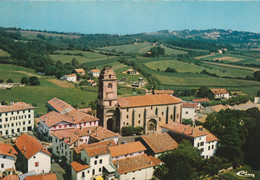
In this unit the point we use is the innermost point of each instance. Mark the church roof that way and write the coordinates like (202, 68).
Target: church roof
(147, 100)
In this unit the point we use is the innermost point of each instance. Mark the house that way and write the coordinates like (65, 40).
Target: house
(32, 155)
(199, 101)
(139, 84)
(69, 77)
(138, 167)
(80, 72)
(50, 176)
(94, 160)
(159, 143)
(54, 121)
(56, 104)
(204, 141)
(94, 72)
(189, 111)
(127, 150)
(92, 82)
(170, 92)
(7, 157)
(64, 141)
(132, 72)
(257, 100)
(147, 111)
(220, 93)
(16, 118)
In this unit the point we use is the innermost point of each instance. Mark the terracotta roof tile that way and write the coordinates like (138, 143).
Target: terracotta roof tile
(70, 75)
(127, 148)
(10, 177)
(95, 70)
(7, 149)
(184, 129)
(155, 160)
(189, 105)
(15, 107)
(52, 118)
(51, 176)
(59, 105)
(29, 146)
(201, 100)
(219, 91)
(79, 70)
(160, 142)
(101, 143)
(148, 100)
(79, 166)
(81, 117)
(163, 92)
(210, 137)
(133, 163)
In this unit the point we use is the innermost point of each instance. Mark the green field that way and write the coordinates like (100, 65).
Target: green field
(87, 56)
(4, 53)
(141, 48)
(184, 67)
(15, 72)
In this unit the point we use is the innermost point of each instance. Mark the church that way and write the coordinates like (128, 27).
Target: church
(148, 111)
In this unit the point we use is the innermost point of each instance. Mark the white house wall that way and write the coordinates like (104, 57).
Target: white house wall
(143, 174)
(44, 161)
(6, 162)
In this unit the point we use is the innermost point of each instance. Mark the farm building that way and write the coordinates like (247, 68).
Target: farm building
(80, 71)
(94, 72)
(69, 77)
(220, 93)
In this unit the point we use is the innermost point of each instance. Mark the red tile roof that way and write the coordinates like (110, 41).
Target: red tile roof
(160, 142)
(7, 149)
(70, 75)
(147, 100)
(101, 143)
(79, 166)
(15, 107)
(127, 148)
(155, 160)
(210, 137)
(163, 92)
(59, 105)
(10, 177)
(52, 118)
(97, 132)
(133, 163)
(189, 105)
(80, 70)
(201, 100)
(81, 117)
(95, 70)
(51, 176)
(29, 146)
(219, 91)
(184, 129)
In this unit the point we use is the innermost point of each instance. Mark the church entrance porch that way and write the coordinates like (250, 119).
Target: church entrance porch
(151, 126)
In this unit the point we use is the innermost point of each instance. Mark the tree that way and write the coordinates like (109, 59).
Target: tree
(75, 63)
(1, 81)
(10, 81)
(257, 94)
(257, 75)
(24, 80)
(34, 81)
(187, 121)
(203, 91)
(171, 70)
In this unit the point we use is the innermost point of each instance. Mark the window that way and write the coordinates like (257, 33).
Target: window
(100, 169)
(100, 161)
(0, 120)
(126, 116)
(127, 124)
(59, 126)
(139, 115)
(34, 157)
(110, 85)
(29, 116)
(202, 143)
(95, 162)
(159, 119)
(24, 123)
(186, 112)
(127, 109)
(65, 126)
(96, 157)
(110, 76)
(212, 146)
(4, 157)
(202, 150)
(17, 112)
(6, 119)
(23, 111)
(162, 113)
(36, 164)
(93, 172)
(139, 122)
(177, 115)
(2, 165)
(90, 123)
(83, 174)
(151, 107)
(198, 145)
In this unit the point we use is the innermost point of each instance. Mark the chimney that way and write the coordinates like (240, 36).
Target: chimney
(89, 131)
(117, 163)
(69, 140)
(73, 119)
(192, 133)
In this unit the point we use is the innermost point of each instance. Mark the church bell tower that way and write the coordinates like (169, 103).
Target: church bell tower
(107, 98)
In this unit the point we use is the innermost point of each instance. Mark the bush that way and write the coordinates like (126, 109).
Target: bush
(34, 81)
(10, 81)
(24, 80)
(187, 122)
(1, 81)
(130, 130)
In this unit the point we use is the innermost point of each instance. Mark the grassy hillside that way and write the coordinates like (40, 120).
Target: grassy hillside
(85, 56)
(4, 53)
(141, 48)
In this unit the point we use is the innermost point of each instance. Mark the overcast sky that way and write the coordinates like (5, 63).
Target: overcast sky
(128, 17)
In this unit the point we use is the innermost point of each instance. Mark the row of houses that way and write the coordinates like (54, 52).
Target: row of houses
(81, 72)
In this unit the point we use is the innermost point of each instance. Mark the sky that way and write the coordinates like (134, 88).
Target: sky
(129, 17)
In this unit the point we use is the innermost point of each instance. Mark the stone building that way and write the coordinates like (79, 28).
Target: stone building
(149, 111)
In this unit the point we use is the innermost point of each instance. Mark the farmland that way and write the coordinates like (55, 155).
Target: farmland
(140, 48)
(4, 53)
(66, 56)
